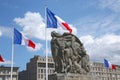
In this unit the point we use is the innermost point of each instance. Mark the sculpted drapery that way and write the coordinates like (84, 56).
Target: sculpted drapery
(69, 54)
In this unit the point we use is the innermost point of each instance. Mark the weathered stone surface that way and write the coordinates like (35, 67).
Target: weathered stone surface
(71, 77)
(69, 54)
(70, 57)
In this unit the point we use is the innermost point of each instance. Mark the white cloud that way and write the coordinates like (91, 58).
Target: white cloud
(98, 36)
(113, 5)
(5, 62)
(34, 26)
(6, 31)
(106, 46)
(99, 25)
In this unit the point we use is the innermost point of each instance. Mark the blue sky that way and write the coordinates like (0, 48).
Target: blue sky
(95, 22)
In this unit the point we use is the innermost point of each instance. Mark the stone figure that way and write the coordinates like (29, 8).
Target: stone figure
(69, 54)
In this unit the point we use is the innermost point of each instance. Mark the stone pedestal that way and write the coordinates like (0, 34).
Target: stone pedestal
(70, 77)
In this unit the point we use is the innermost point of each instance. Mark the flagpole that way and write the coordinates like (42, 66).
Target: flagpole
(12, 53)
(46, 45)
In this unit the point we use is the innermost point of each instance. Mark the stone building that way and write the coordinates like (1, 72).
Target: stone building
(36, 70)
(5, 73)
(98, 70)
(23, 75)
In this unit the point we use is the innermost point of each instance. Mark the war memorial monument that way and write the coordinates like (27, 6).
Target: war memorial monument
(70, 58)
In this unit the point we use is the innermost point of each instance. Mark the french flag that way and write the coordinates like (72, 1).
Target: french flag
(22, 40)
(53, 21)
(1, 59)
(108, 64)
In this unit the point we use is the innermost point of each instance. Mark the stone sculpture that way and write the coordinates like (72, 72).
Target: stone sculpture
(69, 54)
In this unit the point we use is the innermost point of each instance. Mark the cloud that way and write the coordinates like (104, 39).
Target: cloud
(106, 46)
(5, 62)
(99, 25)
(6, 31)
(100, 36)
(33, 25)
(113, 5)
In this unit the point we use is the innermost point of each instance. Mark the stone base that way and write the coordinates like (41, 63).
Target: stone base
(70, 77)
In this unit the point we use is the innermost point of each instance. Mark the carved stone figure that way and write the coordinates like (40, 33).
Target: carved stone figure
(69, 54)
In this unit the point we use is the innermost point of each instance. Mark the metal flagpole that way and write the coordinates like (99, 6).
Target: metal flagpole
(46, 45)
(12, 53)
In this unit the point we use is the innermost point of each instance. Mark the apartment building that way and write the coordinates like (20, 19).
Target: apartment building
(103, 73)
(5, 73)
(36, 70)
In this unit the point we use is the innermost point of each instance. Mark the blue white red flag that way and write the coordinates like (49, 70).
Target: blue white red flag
(108, 64)
(22, 40)
(53, 21)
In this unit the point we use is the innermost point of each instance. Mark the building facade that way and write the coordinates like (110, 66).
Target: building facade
(23, 75)
(36, 70)
(98, 70)
(5, 73)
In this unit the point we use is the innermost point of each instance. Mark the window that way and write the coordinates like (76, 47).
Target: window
(50, 65)
(38, 76)
(41, 76)
(38, 70)
(41, 70)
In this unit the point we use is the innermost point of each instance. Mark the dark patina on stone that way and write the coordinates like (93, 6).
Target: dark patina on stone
(69, 54)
